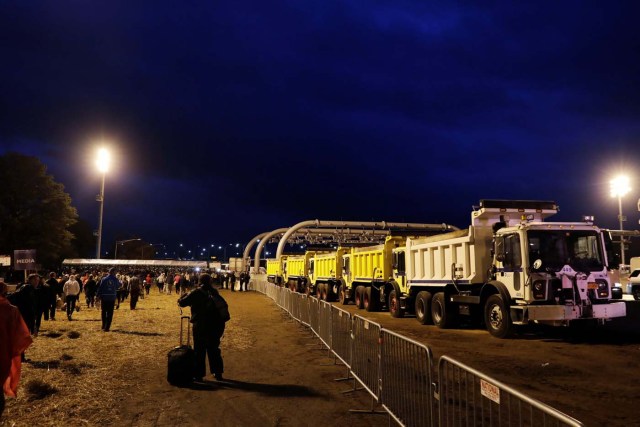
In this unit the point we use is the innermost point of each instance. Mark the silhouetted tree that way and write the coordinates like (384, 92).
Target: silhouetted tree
(35, 211)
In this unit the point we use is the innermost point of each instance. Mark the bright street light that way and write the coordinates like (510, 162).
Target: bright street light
(619, 187)
(103, 161)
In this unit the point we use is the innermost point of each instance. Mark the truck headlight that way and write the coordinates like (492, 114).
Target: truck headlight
(603, 289)
(539, 289)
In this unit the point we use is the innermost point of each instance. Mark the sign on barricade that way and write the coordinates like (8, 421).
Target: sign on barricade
(406, 391)
(365, 364)
(470, 397)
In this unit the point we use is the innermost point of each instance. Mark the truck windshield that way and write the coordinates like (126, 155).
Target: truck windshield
(556, 248)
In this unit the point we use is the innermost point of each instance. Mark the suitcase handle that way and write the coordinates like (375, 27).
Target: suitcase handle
(182, 319)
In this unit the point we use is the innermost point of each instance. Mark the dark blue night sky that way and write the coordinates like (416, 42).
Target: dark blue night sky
(228, 119)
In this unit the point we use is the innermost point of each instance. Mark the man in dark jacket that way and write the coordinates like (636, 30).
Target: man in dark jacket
(90, 291)
(208, 327)
(135, 288)
(107, 294)
(25, 299)
(43, 303)
(54, 289)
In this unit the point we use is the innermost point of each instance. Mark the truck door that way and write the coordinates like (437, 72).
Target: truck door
(346, 270)
(311, 275)
(511, 274)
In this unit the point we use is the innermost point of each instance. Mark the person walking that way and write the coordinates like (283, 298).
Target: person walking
(54, 289)
(107, 294)
(90, 291)
(71, 290)
(160, 283)
(25, 299)
(135, 287)
(43, 302)
(208, 327)
(232, 281)
(15, 339)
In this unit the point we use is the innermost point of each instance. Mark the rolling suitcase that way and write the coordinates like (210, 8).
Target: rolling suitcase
(181, 359)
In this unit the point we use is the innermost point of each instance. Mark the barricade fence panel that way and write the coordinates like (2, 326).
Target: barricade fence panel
(470, 397)
(406, 390)
(295, 306)
(341, 342)
(304, 310)
(365, 364)
(314, 315)
(324, 323)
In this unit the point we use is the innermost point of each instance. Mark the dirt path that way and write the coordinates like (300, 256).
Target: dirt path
(276, 374)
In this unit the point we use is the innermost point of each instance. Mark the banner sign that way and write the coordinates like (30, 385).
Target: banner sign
(24, 259)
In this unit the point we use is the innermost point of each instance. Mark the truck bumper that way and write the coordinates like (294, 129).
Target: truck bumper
(572, 312)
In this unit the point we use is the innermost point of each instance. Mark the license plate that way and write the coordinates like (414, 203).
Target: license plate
(592, 285)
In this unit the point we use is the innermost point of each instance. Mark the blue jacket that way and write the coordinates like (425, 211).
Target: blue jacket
(107, 288)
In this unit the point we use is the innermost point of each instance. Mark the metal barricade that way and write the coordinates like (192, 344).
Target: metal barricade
(341, 342)
(470, 397)
(365, 364)
(324, 325)
(314, 315)
(304, 310)
(406, 391)
(294, 305)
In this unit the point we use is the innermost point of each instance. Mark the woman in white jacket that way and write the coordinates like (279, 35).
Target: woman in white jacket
(71, 290)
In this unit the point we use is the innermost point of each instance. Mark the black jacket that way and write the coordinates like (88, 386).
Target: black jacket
(200, 315)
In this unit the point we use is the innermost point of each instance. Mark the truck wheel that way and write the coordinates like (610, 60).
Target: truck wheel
(343, 295)
(497, 317)
(635, 291)
(374, 299)
(423, 308)
(394, 305)
(359, 297)
(371, 298)
(334, 291)
(443, 317)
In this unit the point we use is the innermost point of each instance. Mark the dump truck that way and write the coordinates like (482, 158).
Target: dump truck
(274, 270)
(510, 267)
(325, 274)
(295, 270)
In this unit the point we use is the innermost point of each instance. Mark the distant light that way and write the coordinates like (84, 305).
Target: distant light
(197, 268)
(180, 244)
(620, 186)
(103, 160)
(237, 244)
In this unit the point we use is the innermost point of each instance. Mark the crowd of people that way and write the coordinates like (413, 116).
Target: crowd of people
(44, 297)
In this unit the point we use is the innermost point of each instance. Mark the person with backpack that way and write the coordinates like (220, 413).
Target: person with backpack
(209, 312)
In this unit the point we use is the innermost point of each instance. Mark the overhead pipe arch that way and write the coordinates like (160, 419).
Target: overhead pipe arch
(265, 237)
(350, 224)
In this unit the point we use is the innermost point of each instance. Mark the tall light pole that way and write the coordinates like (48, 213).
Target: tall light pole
(619, 187)
(102, 162)
(122, 242)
